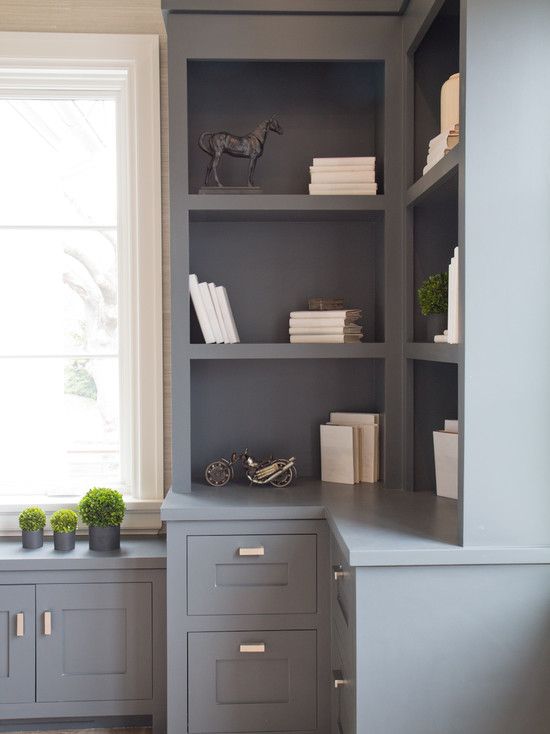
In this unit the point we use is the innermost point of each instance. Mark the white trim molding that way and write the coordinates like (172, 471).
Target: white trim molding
(127, 68)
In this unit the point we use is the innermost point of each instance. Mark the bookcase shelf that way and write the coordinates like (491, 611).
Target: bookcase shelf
(428, 186)
(433, 352)
(287, 351)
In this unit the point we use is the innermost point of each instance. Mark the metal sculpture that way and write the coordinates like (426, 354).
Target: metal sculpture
(277, 472)
(249, 146)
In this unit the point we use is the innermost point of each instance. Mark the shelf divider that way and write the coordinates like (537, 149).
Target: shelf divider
(430, 352)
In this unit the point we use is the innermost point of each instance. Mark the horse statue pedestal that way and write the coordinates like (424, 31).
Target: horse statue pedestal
(231, 190)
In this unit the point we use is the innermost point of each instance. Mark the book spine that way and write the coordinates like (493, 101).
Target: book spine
(342, 169)
(345, 314)
(342, 177)
(228, 315)
(359, 188)
(354, 161)
(324, 338)
(212, 318)
(200, 310)
(333, 323)
(324, 330)
(218, 310)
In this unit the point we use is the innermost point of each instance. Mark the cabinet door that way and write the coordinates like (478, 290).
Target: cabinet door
(93, 642)
(16, 644)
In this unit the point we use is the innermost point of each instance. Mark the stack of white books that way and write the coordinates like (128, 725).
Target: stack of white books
(440, 146)
(451, 335)
(344, 176)
(325, 327)
(350, 449)
(213, 311)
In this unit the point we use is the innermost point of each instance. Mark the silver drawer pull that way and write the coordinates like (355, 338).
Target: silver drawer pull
(20, 624)
(339, 679)
(259, 551)
(338, 572)
(47, 623)
(252, 647)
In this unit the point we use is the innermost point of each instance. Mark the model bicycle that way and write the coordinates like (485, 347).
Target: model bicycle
(277, 472)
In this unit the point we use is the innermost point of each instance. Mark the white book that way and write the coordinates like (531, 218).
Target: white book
(212, 318)
(218, 310)
(369, 423)
(440, 339)
(200, 309)
(353, 161)
(325, 338)
(335, 323)
(227, 314)
(450, 302)
(318, 177)
(325, 330)
(340, 314)
(343, 189)
(333, 169)
(337, 454)
(446, 463)
(456, 298)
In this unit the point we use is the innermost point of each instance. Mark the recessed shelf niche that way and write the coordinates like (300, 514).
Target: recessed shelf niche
(325, 108)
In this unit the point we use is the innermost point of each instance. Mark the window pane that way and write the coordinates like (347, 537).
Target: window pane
(60, 427)
(58, 161)
(58, 292)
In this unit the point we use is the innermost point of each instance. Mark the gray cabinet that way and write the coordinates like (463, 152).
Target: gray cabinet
(252, 681)
(93, 642)
(16, 644)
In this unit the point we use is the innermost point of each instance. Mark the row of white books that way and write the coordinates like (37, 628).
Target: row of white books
(451, 335)
(449, 134)
(350, 448)
(343, 176)
(325, 327)
(214, 313)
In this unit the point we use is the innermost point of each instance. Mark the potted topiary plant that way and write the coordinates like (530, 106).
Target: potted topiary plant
(102, 509)
(32, 522)
(433, 298)
(64, 524)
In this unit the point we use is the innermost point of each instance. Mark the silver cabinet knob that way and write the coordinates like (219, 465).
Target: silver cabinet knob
(338, 678)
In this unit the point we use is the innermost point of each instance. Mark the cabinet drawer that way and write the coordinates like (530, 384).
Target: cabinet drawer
(343, 690)
(252, 681)
(342, 590)
(252, 574)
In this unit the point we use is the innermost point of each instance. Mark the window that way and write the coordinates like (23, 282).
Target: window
(80, 284)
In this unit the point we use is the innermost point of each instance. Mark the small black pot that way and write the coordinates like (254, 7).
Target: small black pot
(104, 539)
(64, 541)
(32, 539)
(436, 323)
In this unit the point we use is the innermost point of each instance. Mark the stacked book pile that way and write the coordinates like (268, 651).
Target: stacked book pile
(213, 311)
(325, 327)
(451, 335)
(350, 448)
(448, 136)
(343, 176)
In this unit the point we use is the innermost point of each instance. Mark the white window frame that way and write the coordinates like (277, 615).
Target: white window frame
(126, 67)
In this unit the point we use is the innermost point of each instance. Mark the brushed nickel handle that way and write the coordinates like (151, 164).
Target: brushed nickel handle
(338, 678)
(47, 623)
(252, 647)
(20, 624)
(338, 572)
(258, 551)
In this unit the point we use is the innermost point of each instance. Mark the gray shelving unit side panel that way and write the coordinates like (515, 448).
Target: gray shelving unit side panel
(507, 230)
(477, 624)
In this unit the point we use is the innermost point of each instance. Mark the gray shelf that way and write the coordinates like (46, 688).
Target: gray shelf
(363, 7)
(287, 351)
(433, 352)
(434, 178)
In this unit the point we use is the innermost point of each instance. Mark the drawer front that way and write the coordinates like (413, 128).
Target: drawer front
(252, 574)
(343, 590)
(252, 681)
(343, 690)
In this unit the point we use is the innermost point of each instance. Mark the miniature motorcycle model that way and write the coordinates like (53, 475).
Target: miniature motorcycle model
(277, 472)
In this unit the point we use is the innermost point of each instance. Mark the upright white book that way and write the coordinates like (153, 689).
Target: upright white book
(227, 314)
(369, 425)
(218, 310)
(200, 309)
(211, 311)
(338, 454)
(353, 161)
(338, 176)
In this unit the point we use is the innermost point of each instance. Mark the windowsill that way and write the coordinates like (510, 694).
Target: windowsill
(142, 515)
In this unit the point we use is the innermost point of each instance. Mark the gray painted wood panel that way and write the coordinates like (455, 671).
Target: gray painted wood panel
(233, 691)
(281, 581)
(16, 652)
(100, 646)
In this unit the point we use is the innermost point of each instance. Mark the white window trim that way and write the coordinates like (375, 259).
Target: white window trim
(129, 66)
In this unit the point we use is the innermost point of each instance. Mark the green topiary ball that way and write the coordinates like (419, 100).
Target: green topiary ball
(64, 521)
(33, 518)
(433, 294)
(102, 507)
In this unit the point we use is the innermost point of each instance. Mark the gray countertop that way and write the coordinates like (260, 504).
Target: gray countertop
(133, 553)
(374, 526)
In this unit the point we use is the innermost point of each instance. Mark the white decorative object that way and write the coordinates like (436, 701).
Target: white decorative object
(446, 460)
(450, 103)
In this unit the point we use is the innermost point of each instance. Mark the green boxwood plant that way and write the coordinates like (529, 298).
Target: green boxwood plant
(64, 521)
(433, 294)
(102, 507)
(32, 519)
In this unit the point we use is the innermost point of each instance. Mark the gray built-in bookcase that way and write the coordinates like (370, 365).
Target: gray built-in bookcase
(342, 85)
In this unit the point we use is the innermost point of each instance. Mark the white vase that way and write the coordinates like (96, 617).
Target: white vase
(450, 103)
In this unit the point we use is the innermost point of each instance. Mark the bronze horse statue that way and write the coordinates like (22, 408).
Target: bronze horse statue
(249, 146)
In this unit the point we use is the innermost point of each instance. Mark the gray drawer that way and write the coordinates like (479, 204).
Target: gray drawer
(252, 574)
(342, 590)
(343, 690)
(234, 691)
